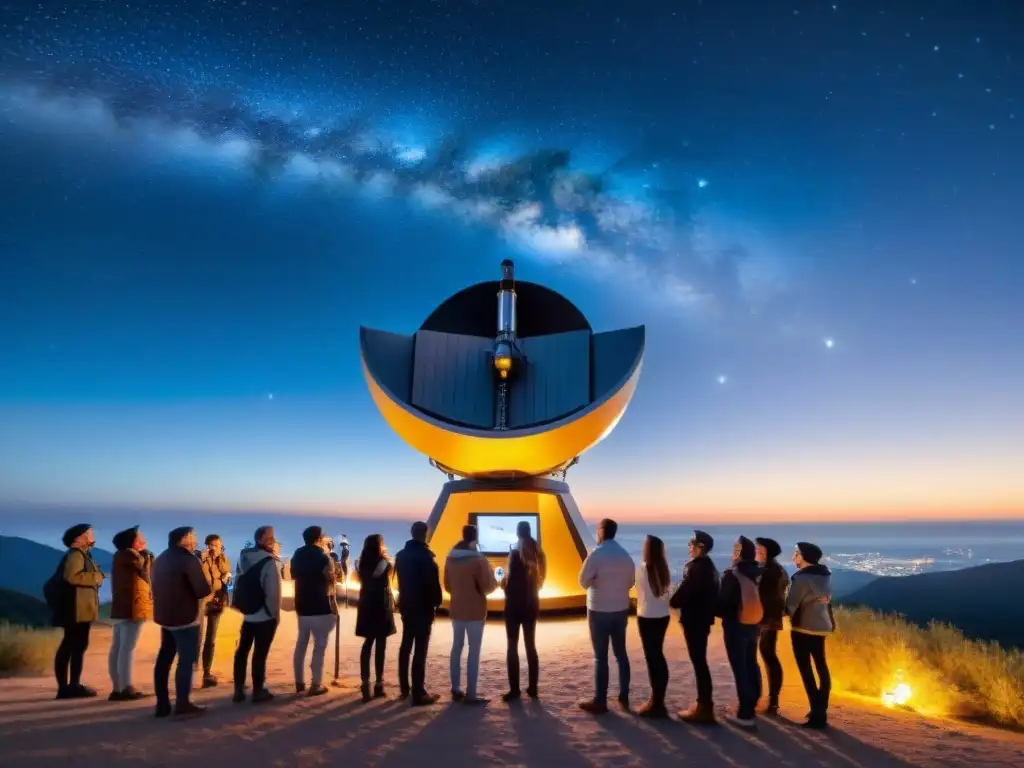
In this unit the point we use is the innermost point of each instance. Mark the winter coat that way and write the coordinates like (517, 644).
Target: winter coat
(82, 573)
(468, 579)
(808, 613)
(522, 591)
(179, 588)
(313, 575)
(696, 597)
(730, 597)
(419, 583)
(772, 587)
(375, 613)
(131, 593)
(217, 571)
(270, 581)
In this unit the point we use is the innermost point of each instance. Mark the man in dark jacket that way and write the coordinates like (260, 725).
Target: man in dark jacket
(772, 588)
(314, 577)
(739, 606)
(695, 599)
(419, 596)
(179, 589)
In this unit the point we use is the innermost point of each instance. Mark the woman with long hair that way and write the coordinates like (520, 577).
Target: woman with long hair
(652, 611)
(375, 615)
(524, 576)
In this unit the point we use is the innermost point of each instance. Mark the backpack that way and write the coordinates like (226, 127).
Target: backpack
(58, 593)
(248, 597)
(751, 610)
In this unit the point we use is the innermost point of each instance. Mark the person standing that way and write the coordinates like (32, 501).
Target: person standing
(73, 595)
(179, 589)
(809, 606)
(217, 570)
(524, 576)
(313, 574)
(653, 583)
(261, 574)
(468, 579)
(419, 597)
(696, 598)
(772, 588)
(375, 613)
(739, 606)
(608, 574)
(131, 606)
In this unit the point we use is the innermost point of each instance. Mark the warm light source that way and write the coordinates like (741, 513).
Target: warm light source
(503, 364)
(899, 696)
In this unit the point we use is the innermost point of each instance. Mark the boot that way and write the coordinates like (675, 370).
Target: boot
(699, 714)
(365, 690)
(378, 690)
(652, 710)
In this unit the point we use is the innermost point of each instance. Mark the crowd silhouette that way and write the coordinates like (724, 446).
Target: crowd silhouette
(185, 592)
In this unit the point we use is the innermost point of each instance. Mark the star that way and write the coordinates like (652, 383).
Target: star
(270, 396)
(913, 281)
(830, 342)
(701, 183)
(723, 379)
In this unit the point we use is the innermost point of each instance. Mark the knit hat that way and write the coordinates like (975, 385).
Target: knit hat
(74, 532)
(747, 549)
(313, 534)
(174, 537)
(704, 540)
(810, 552)
(771, 546)
(125, 538)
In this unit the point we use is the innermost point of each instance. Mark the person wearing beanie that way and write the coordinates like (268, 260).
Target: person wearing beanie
(739, 606)
(809, 607)
(772, 588)
(131, 606)
(73, 595)
(179, 589)
(217, 570)
(695, 599)
(313, 573)
(468, 579)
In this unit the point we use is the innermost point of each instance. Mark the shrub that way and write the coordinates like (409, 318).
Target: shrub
(26, 650)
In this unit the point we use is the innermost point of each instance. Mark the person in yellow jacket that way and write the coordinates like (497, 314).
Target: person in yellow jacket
(75, 611)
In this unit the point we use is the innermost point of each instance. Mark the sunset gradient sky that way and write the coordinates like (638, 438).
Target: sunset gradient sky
(815, 210)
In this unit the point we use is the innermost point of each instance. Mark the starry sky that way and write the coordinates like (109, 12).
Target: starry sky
(814, 207)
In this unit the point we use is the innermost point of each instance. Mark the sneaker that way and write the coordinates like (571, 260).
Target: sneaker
(746, 723)
(593, 706)
(317, 690)
(426, 700)
(261, 696)
(624, 702)
(699, 715)
(188, 709)
(511, 696)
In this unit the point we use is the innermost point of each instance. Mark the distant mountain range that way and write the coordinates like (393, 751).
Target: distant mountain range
(985, 602)
(23, 610)
(28, 564)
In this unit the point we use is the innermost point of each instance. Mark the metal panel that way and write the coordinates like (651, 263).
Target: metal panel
(613, 355)
(389, 357)
(556, 379)
(452, 378)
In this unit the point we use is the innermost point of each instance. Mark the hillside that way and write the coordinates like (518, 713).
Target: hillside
(23, 610)
(28, 564)
(984, 602)
(846, 581)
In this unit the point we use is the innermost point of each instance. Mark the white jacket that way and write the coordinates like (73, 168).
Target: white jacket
(608, 574)
(647, 605)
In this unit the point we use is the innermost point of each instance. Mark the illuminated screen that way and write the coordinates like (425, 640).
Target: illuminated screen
(496, 533)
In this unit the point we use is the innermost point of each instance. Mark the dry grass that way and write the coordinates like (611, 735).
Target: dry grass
(26, 650)
(947, 673)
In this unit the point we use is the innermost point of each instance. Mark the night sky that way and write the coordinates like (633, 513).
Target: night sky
(815, 207)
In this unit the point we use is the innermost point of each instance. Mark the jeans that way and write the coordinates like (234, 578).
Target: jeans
(320, 627)
(71, 655)
(605, 627)
(696, 636)
(773, 667)
(652, 637)
(122, 653)
(415, 639)
(741, 648)
(208, 638)
(183, 643)
(808, 648)
(381, 644)
(474, 630)
(528, 624)
(257, 637)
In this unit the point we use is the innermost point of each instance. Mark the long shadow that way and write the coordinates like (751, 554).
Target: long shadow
(454, 734)
(542, 739)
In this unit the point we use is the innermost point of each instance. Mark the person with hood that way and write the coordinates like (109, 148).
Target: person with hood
(217, 570)
(375, 614)
(259, 628)
(468, 579)
(524, 576)
(179, 589)
(76, 605)
(608, 574)
(131, 606)
(809, 607)
(772, 588)
(419, 597)
(739, 606)
(313, 575)
(695, 598)
(653, 585)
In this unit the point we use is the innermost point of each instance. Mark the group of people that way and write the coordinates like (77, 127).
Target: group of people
(185, 592)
